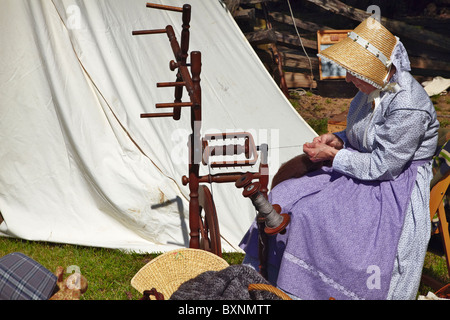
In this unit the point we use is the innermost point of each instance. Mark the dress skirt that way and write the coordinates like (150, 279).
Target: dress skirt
(348, 238)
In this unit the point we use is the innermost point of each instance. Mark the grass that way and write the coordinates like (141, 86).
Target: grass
(109, 272)
(320, 126)
(435, 264)
(435, 99)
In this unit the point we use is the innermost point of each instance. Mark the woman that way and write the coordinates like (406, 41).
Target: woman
(360, 227)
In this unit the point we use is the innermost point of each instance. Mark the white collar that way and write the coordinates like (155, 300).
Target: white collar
(375, 94)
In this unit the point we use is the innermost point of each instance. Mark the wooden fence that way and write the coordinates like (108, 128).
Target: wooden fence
(287, 42)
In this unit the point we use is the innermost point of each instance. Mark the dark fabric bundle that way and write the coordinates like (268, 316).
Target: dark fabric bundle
(22, 278)
(230, 283)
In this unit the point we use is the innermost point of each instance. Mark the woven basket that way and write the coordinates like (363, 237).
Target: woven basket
(168, 271)
(269, 288)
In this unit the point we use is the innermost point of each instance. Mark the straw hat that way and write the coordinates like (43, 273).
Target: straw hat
(365, 53)
(168, 271)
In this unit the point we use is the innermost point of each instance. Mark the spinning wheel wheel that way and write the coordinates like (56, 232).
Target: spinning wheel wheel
(209, 224)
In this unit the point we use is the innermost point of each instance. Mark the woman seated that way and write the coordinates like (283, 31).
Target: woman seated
(360, 226)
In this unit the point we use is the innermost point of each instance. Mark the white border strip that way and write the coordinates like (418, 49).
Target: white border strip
(327, 280)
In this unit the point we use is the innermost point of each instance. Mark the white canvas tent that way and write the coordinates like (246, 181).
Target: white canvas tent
(78, 165)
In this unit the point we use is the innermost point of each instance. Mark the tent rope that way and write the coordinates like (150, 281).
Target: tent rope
(301, 42)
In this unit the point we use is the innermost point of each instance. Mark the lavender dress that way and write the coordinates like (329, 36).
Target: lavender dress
(360, 229)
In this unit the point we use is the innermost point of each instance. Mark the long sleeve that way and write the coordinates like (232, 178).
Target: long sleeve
(341, 135)
(379, 143)
(396, 143)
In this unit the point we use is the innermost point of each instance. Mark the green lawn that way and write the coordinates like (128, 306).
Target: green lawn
(109, 271)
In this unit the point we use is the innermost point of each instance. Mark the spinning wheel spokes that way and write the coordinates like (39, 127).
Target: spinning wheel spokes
(209, 224)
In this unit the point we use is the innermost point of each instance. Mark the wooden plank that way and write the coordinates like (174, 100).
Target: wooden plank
(297, 60)
(261, 37)
(396, 27)
(256, 1)
(299, 80)
(429, 64)
(244, 15)
(293, 40)
(291, 60)
(302, 24)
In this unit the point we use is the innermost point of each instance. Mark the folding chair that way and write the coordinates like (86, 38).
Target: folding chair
(437, 212)
(439, 187)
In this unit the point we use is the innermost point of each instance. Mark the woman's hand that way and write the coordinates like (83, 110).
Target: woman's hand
(330, 139)
(319, 151)
(323, 148)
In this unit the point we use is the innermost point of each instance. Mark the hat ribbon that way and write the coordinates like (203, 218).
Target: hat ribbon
(369, 47)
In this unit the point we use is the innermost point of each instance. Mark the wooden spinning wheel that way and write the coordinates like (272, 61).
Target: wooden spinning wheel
(203, 222)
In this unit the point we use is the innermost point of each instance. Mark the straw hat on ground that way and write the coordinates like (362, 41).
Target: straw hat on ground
(365, 53)
(168, 271)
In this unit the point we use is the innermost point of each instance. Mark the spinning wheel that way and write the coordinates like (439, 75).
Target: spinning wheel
(203, 222)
